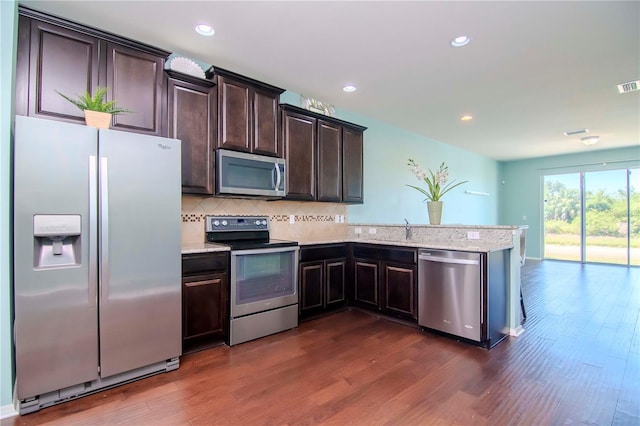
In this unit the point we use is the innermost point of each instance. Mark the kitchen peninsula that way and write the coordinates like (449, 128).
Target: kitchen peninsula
(339, 241)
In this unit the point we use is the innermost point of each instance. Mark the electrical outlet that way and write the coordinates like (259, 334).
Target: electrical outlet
(524, 217)
(337, 219)
(373, 231)
(358, 230)
(473, 235)
(292, 218)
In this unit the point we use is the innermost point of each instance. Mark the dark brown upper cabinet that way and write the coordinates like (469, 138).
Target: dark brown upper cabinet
(135, 80)
(56, 55)
(299, 138)
(352, 165)
(324, 156)
(192, 118)
(329, 161)
(247, 114)
(54, 59)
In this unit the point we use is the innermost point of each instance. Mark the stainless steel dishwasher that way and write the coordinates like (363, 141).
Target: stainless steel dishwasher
(450, 292)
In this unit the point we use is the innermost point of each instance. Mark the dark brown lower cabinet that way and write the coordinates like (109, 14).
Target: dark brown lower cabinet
(321, 281)
(399, 290)
(205, 300)
(366, 283)
(385, 280)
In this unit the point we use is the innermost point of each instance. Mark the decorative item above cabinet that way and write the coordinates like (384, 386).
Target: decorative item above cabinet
(324, 156)
(247, 113)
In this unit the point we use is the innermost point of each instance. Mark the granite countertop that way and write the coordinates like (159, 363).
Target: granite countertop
(419, 225)
(203, 248)
(481, 247)
(477, 246)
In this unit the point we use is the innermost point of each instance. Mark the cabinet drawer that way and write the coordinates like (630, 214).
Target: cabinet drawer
(323, 252)
(383, 253)
(204, 262)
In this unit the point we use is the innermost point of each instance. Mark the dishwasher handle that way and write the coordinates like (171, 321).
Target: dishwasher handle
(448, 260)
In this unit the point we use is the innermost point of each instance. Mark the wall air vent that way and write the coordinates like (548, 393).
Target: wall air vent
(575, 132)
(632, 86)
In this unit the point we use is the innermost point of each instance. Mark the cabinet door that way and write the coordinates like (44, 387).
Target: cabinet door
(299, 137)
(135, 80)
(192, 120)
(311, 286)
(352, 170)
(399, 285)
(329, 161)
(265, 123)
(234, 114)
(335, 282)
(60, 60)
(366, 283)
(204, 305)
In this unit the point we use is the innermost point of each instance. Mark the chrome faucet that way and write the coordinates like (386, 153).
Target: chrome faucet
(407, 230)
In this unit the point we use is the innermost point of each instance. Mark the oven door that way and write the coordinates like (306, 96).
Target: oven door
(263, 279)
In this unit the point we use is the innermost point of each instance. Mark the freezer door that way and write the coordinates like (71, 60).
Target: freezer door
(140, 255)
(56, 318)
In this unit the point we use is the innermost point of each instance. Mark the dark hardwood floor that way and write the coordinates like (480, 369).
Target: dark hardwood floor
(577, 362)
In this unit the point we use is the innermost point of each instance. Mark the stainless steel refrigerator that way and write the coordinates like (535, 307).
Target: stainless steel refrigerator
(97, 286)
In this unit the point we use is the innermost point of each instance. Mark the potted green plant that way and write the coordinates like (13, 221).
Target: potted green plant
(437, 185)
(97, 111)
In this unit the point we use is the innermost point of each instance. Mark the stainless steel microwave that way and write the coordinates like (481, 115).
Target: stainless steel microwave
(243, 174)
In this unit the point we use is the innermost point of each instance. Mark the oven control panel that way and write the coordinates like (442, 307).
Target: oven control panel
(236, 223)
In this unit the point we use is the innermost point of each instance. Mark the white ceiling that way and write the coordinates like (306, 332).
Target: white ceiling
(532, 70)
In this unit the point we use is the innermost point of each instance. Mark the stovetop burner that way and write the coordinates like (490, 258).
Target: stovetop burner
(242, 232)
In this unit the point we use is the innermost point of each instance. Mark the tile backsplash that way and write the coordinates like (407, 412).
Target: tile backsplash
(311, 221)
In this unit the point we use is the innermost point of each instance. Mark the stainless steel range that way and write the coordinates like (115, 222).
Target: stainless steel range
(264, 276)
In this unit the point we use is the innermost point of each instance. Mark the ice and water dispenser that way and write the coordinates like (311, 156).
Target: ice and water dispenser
(56, 240)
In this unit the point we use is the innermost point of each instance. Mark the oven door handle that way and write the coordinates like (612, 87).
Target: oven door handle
(264, 250)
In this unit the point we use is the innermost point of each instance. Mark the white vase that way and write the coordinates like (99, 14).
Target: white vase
(435, 212)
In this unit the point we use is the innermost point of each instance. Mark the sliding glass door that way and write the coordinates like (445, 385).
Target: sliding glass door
(634, 216)
(605, 216)
(562, 218)
(593, 216)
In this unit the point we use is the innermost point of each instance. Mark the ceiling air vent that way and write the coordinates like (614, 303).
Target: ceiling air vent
(575, 132)
(631, 86)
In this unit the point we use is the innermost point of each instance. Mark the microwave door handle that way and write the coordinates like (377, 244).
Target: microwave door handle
(278, 177)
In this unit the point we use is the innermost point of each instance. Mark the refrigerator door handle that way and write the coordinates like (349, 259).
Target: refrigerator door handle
(104, 231)
(93, 229)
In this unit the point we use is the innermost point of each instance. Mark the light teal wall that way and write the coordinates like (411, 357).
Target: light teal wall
(386, 198)
(8, 28)
(521, 187)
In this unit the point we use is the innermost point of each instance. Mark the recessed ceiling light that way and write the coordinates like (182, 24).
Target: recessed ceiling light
(460, 41)
(466, 118)
(205, 30)
(349, 88)
(590, 140)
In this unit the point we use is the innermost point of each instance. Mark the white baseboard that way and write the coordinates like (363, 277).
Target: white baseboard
(7, 411)
(516, 331)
